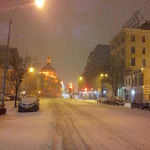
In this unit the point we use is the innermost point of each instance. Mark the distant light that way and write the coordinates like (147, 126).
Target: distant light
(102, 75)
(39, 3)
(133, 92)
(39, 92)
(104, 92)
(95, 92)
(80, 78)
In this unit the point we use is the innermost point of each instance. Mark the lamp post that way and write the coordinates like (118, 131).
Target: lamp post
(39, 3)
(102, 82)
(82, 79)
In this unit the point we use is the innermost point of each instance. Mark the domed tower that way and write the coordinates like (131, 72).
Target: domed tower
(48, 70)
(49, 83)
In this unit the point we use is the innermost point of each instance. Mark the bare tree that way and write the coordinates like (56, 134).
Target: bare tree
(116, 79)
(18, 68)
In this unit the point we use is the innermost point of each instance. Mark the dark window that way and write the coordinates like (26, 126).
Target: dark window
(122, 51)
(140, 79)
(143, 39)
(132, 61)
(132, 50)
(144, 63)
(143, 50)
(118, 43)
(132, 38)
(122, 39)
(118, 54)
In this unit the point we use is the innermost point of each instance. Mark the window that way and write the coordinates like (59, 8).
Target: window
(122, 39)
(132, 61)
(122, 51)
(140, 79)
(143, 50)
(118, 43)
(143, 39)
(132, 50)
(144, 63)
(132, 38)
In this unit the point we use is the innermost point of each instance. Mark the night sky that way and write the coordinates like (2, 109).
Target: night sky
(66, 30)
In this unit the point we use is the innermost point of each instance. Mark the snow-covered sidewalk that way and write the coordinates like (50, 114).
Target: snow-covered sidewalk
(24, 131)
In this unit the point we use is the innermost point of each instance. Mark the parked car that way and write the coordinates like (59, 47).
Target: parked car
(6, 98)
(11, 96)
(28, 103)
(101, 100)
(116, 100)
(2, 110)
(107, 100)
(142, 104)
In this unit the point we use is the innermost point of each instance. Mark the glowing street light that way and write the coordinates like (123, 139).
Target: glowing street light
(103, 76)
(80, 78)
(31, 69)
(40, 4)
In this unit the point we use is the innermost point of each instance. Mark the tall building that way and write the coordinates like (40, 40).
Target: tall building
(8, 87)
(98, 62)
(130, 50)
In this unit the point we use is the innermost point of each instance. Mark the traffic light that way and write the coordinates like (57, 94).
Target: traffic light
(70, 86)
(85, 89)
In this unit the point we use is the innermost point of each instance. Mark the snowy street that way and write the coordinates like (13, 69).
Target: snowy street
(75, 124)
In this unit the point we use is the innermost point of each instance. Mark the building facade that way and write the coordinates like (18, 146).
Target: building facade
(9, 88)
(49, 83)
(130, 51)
(137, 85)
(98, 62)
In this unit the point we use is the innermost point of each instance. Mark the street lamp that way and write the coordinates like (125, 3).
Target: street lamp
(40, 4)
(31, 69)
(103, 76)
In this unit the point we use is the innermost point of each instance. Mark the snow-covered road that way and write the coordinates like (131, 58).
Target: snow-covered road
(69, 124)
